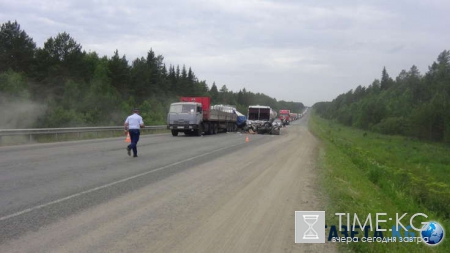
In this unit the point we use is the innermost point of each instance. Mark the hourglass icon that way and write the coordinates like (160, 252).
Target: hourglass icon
(310, 233)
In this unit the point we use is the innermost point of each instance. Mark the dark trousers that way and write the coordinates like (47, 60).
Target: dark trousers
(134, 136)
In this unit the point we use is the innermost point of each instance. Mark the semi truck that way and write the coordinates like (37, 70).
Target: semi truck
(261, 120)
(285, 116)
(195, 116)
(293, 116)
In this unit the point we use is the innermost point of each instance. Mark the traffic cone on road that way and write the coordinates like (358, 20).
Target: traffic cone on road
(246, 139)
(128, 139)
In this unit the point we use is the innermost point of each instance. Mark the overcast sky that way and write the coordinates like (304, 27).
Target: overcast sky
(303, 51)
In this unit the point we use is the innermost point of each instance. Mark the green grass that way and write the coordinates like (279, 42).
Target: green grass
(364, 172)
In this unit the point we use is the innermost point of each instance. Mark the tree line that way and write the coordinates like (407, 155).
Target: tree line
(80, 88)
(413, 104)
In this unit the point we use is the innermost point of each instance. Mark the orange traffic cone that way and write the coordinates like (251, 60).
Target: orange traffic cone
(128, 139)
(246, 139)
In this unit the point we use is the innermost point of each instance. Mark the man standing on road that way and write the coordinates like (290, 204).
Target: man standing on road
(133, 124)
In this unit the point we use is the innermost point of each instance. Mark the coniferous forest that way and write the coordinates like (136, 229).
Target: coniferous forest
(61, 85)
(414, 104)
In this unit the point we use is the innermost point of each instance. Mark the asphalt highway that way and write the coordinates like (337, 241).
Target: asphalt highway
(43, 182)
(90, 196)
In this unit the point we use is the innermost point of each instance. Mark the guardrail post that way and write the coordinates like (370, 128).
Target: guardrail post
(31, 138)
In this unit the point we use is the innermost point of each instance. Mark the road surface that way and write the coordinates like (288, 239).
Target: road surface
(182, 194)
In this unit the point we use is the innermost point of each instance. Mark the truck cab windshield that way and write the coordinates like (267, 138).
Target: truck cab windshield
(180, 108)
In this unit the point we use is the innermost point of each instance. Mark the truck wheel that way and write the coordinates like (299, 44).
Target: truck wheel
(199, 130)
(174, 133)
(208, 131)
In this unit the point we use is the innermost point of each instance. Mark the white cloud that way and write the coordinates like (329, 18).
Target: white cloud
(292, 50)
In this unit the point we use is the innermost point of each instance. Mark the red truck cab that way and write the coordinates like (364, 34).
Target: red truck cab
(285, 116)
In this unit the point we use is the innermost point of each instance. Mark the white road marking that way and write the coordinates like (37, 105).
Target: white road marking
(108, 185)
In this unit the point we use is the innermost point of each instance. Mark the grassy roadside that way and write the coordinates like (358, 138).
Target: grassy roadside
(366, 173)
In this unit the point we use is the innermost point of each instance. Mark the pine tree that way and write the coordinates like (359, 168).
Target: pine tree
(214, 93)
(119, 73)
(16, 48)
(386, 81)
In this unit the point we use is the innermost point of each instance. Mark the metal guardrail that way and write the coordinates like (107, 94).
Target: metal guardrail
(33, 131)
(38, 131)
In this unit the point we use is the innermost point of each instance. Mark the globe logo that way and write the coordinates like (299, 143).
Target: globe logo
(432, 233)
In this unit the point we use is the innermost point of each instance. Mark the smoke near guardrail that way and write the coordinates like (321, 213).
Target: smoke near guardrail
(18, 112)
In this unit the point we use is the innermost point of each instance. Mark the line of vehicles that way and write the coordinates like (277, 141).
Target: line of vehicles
(286, 116)
(196, 116)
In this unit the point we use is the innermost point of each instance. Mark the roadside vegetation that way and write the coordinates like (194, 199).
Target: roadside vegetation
(365, 172)
(62, 85)
(413, 104)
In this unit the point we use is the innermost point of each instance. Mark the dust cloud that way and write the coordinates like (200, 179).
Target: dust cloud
(19, 113)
